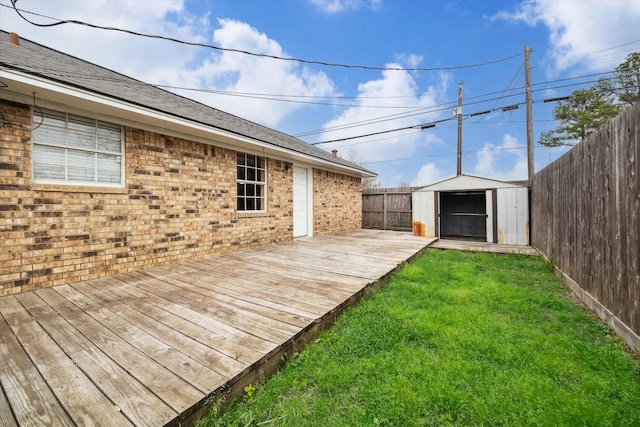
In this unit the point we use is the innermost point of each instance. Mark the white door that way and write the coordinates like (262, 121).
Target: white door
(300, 202)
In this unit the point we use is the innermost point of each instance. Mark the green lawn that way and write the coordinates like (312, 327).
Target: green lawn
(454, 338)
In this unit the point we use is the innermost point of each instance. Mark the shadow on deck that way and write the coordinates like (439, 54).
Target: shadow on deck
(150, 348)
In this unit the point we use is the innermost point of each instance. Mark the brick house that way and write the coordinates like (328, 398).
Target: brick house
(101, 174)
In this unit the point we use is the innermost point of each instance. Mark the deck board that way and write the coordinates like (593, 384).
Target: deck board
(244, 316)
(198, 351)
(135, 401)
(148, 348)
(6, 416)
(174, 303)
(173, 390)
(227, 318)
(201, 377)
(262, 300)
(167, 326)
(84, 402)
(26, 390)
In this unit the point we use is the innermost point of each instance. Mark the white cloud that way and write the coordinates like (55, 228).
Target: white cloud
(583, 32)
(427, 175)
(128, 54)
(388, 103)
(260, 76)
(335, 6)
(507, 161)
(173, 64)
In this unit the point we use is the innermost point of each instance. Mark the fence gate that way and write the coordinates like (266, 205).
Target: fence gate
(387, 208)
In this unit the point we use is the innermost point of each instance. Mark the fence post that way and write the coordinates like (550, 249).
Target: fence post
(384, 211)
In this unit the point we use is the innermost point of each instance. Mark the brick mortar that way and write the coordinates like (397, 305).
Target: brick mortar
(178, 204)
(337, 203)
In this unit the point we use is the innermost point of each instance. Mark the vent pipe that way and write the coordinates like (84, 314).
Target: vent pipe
(14, 39)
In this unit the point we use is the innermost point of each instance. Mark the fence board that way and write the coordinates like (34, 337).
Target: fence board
(387, 208)
(586, 215)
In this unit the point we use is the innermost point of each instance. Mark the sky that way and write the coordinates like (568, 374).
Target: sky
(389, 67)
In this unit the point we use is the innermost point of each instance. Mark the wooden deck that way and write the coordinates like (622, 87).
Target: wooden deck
(149, 348)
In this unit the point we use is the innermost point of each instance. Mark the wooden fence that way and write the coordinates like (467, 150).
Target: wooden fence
(586, 219)
(387, 208)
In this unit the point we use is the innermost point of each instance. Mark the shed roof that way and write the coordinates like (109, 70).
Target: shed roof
(468, 182)
(69, 75)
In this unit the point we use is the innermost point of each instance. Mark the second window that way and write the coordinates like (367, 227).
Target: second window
(251, 183)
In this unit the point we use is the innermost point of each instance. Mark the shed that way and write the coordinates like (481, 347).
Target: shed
(474, 208)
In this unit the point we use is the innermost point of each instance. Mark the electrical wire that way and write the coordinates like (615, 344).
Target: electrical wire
(245, 52)
(39, 110)
(4, 122)
(593, 55)
(351, 144)
(283, 97)
(280, 95)
(383, 132)
(441, 107)
(369, 121)
(417, 130)
(465, 152)
(412, 113)
(506, 88)
(423, 126)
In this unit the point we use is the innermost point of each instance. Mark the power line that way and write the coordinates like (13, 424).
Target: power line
(508, 86)
(421, 126)
(417, 130)
(414, 112)
(465, 152)
(284, 97)
(443, 107)
(278, 95)
(446, 154)
(245, 52)
(431, 124)
(264, 96)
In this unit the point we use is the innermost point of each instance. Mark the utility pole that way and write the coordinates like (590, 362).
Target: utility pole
(459, 113)
(527, 78)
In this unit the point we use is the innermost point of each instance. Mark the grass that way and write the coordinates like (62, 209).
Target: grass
(454, 338)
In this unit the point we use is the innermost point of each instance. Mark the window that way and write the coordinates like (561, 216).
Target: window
(76, 150)
(251, 183)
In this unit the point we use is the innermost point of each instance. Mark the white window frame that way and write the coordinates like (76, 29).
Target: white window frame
(60, 123)
(247, 177)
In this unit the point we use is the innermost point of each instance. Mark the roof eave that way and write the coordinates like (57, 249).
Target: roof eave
(23, 87)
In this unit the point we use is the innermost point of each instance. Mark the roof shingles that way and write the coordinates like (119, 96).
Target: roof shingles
(38, 60)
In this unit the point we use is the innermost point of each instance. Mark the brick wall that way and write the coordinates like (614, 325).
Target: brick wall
(337, 203)
(179, 203)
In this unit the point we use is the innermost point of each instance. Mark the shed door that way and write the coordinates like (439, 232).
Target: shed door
(300, 202)
(463, 215)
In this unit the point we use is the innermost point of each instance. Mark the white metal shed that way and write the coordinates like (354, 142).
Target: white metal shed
(473, 208)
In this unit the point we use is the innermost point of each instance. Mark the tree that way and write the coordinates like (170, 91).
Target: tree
(582, 113)
(626, 83)
(356, 157)
(370, 183)
(586, 110)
